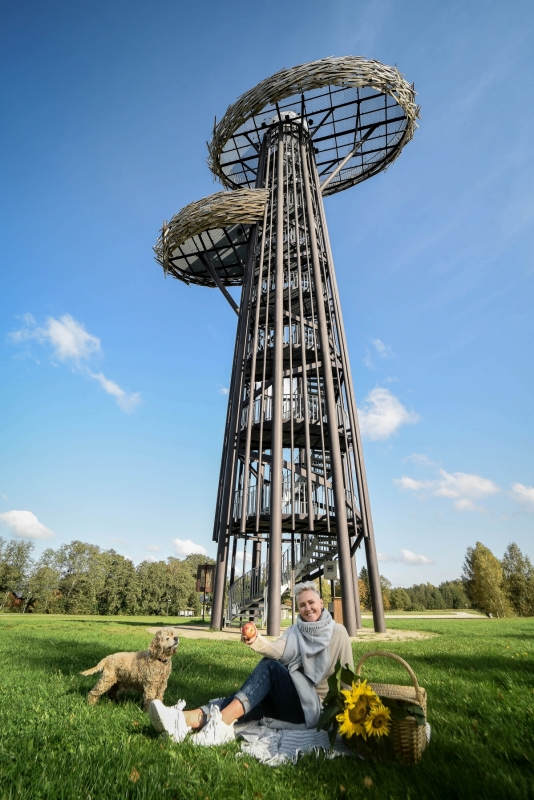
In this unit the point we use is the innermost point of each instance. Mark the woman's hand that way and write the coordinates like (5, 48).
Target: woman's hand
(249, 633)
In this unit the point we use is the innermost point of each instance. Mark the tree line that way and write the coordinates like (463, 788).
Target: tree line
(501, 588)
(80, 578)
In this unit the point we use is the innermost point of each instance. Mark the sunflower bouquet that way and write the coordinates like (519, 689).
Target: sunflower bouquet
(359, 715)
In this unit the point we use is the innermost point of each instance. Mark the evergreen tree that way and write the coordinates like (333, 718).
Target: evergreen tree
(484, 577)
(364, 597)
(364, 577)
(454, 594)
(435, 600)
(385, 586)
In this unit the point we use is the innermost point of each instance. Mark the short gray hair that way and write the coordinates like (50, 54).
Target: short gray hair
(306, 586)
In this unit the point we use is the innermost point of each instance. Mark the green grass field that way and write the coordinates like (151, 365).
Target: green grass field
(478, 674)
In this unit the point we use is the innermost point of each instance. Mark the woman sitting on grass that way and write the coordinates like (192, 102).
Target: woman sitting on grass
(288, 684)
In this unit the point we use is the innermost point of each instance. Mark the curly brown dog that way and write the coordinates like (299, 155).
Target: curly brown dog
(148, 670)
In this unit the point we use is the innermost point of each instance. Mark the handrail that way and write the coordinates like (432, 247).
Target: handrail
(291, 335)
(251, 587)
(294, 499)
(293, 405)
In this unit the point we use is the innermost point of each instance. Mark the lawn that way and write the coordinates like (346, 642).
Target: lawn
(479, 677)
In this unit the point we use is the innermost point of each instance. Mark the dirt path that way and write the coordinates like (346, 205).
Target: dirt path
(364, 635)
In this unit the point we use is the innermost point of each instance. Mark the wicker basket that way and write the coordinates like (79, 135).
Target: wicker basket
(409, 738)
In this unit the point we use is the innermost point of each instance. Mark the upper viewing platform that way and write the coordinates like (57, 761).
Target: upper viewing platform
(359, 114)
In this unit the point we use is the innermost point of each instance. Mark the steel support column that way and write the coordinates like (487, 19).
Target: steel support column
(226, 483)
(277, 455)
(342, 531)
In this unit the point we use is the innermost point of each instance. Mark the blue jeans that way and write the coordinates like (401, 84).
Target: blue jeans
(267, 692)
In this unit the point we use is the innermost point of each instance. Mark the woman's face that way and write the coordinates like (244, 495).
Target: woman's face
(310, 605)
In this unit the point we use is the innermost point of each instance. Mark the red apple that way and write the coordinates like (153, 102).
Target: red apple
(249, 630)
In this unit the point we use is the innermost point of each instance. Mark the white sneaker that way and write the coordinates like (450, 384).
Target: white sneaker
(215, 731)
(169, 719)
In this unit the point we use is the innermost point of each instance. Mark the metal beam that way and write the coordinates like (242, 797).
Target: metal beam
(213, 273)
(347, 158)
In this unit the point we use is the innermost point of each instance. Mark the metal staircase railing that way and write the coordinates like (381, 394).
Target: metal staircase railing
(294, 499)
(247, 596)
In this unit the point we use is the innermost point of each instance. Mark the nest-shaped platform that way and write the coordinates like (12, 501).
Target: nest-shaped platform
(342, 100)
(211, 234)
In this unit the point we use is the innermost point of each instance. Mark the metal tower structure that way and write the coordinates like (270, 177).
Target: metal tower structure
(292, 482)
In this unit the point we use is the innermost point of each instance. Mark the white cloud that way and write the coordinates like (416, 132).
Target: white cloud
(224, 390)
(384, 558)
(463, 484)
(420, 458)
(185, 547)
(239, 562)
(522, 493)
(382, 414)
(71, 343)
(383, 350)
(368, 361)
(118, 540)
(462, 487)
(465, 504)
(413, 558)
(406, 557)
(68, 338)
(153, 548)
(25, 525)
(410, 484)
(127, 401)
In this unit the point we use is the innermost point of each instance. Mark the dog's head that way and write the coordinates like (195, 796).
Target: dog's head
(164, 644)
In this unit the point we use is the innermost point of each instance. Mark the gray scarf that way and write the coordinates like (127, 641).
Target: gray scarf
(308, 647)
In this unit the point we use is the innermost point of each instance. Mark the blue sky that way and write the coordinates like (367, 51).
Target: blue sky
(112, 379)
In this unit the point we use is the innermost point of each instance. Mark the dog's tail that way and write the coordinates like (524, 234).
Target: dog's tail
(99, 667)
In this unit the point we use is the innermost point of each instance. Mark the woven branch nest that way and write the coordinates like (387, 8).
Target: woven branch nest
(350, 71)
(244, 206)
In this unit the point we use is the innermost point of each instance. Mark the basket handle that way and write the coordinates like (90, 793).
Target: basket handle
(404, 663)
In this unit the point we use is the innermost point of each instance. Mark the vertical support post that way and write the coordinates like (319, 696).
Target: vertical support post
(256, 554)
(356, 593)
(361, 478)
(221, 565)
(225, 498)
(274, 599)
(342, 531)
(374, 586)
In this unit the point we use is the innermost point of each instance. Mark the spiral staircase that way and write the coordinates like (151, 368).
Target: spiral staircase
(247, 595)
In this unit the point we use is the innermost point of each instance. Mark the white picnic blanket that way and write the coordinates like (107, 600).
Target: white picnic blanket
(274, 742)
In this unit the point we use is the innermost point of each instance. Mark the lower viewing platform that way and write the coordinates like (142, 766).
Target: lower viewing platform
(294, 504)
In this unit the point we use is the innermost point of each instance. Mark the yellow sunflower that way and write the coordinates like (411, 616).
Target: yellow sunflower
(358, 702)
(378, 722)
(359, 691)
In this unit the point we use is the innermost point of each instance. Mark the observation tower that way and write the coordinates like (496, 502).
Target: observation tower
(292, 484)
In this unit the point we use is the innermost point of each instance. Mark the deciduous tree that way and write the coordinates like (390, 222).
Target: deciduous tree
(399, 599)
(485, 583)
(518, 575)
